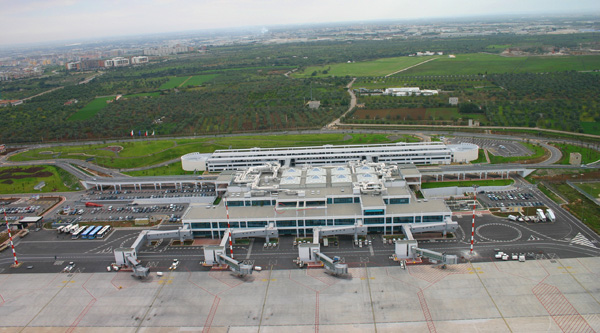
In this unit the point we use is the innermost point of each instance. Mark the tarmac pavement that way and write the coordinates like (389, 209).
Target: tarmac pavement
(539, 295)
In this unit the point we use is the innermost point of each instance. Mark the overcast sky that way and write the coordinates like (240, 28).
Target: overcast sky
(32, 21)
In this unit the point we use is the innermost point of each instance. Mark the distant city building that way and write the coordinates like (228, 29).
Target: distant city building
(139, 60)
(166, 50)
(409, 91)
(453, 100)
(116, 62)
(73, 66)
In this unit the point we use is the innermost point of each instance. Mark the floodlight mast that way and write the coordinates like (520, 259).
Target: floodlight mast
(11, 240)
(473, 223)
(229, 228)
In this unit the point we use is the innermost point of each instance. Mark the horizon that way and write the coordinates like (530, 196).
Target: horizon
(62, 21)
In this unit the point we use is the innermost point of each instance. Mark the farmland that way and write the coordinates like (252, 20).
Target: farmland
(195, 80)
(379, 67)
(473, 64)
(463, 64)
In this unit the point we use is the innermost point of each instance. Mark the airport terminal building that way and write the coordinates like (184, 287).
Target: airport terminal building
(422, 153)
(297, 199)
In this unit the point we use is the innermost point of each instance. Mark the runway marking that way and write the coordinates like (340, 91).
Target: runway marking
(582, 240)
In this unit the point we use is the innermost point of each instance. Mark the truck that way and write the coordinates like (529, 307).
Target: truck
(550, 215)
(540, 215)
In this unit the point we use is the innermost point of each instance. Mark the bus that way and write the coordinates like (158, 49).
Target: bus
(103, 231)
(71, 228)
(87, 231)
(77, 233)
(94, 232)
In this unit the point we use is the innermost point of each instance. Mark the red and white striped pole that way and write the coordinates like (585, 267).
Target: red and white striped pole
(11, 241)
(473, 224)
(229, 227)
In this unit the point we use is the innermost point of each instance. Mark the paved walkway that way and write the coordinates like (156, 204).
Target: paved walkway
(559, 295)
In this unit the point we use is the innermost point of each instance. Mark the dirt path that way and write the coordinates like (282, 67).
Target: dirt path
(42, 93)
(182, 83)
(409, 67)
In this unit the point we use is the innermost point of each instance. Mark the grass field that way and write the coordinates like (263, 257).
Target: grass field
(468, 64)
(591, 127)
(469, 183)
(463, 64)
(379, 67)
(592, 189)
(174, 82)
(24, 179)
(588, 155)
(580, 206)
(480, 157)
(196, 80)
(173, 169)
(135, 154)
(93, 107)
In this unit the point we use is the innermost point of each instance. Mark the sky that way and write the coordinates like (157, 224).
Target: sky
(38, 21)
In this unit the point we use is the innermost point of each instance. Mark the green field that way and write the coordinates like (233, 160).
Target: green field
(195, 80)
(480, 63)
(463, 64)
(480, 157)
(24, 179)
(469, 183)
(591, 127)
(174, 82)
(91, 108)
(173, 169)
(99, 103)
(580, 206)
(592, 189)
(379, 67)
(588, 155)
(140, 153)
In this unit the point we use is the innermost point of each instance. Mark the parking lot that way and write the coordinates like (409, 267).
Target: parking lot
(505, 148)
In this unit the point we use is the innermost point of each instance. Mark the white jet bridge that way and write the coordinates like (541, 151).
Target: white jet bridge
(127, 257)
(217, 254)
(311, 252)
(409, 247)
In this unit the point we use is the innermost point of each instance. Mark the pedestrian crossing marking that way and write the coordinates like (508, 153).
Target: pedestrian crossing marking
(582, 240)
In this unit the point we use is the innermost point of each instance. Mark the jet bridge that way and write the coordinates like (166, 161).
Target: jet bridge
(332, 265)
(311, 252)
(408, 248)
(128, 256)
(217, 254)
